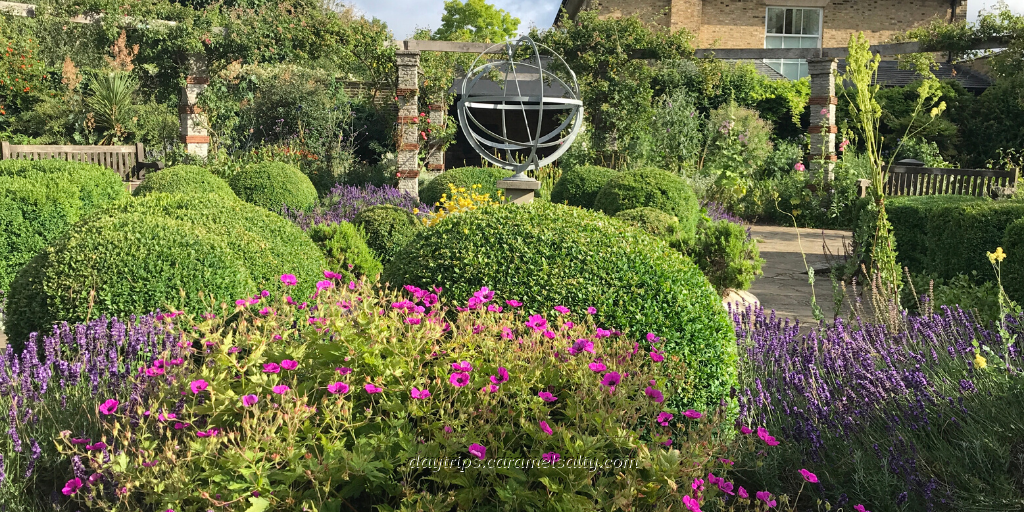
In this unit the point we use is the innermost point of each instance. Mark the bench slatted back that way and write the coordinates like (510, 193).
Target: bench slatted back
(120, 159)
(927, 181)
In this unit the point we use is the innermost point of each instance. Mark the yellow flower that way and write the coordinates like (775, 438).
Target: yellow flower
(415, 211)
(999, 254)
(979, 361)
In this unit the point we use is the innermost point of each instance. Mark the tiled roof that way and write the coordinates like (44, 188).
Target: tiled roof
(890, 75)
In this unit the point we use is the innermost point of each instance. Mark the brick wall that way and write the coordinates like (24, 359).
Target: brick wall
(656, 12)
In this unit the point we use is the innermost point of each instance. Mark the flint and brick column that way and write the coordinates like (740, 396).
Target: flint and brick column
(435, 160)
(194, 133)
(823, 116)
(408, 121)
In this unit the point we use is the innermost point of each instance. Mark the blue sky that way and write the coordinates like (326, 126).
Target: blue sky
(405, 16)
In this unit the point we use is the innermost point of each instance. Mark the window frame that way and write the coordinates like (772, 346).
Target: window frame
(800, 62)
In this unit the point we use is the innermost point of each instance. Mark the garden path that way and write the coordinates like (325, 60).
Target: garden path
(784, 286)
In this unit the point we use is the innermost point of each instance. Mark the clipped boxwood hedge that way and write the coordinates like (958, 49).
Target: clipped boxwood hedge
(651, 220)
(134, 263)
(183, 179)
(909, 217)
(961, 234)
(1013, 265)
(272, 185)
(346, 250)
(579, 185)
(265, 244)
(387, 229)
(547, 254)
(727, 256)
(463, 177)
(40, 200)
(653, 188)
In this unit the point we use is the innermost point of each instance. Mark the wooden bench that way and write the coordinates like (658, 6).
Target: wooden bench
(912, 178)
(127, 161)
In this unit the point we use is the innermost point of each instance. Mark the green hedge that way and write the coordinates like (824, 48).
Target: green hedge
(579, 185)
(272, 185)
(651, 188)
(909, 217)
(41, 200)
(183, 179)
(134, 263)
(266, 245)
(651, 220)
(547, 254)
(1013, 265)
(346, 250)
(726, 255)
(387, 229)
(461, 177)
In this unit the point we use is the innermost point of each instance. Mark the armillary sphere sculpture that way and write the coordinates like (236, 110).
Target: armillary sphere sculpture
(528, 90)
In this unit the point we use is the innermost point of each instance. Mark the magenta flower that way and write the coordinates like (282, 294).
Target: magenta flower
(546, 428)
(249, 400)
(536, 322)
(506, 333)
(72, 486)
(766, 497)
(288, 364)
(726, 462)
(280, 389)
(344, 370)
(799, 167)
(611, 379)
(478, 450)
(692, 414)
(668, 442)
(490, 388)
(562, 309)
(698, 484)
(725, 487)
(271, 368)
(656, 357)
(768, 439)
(549, 334)
(208, 433)
(808, 476)
(597, 367)
(459, 379)
(591, 310)
(742, 493)
(547, 397)
(338, 388)
(371, 389)
(109, 407)
(860, 508)
(289, 280)
(420, 394)
(323, 285)
(99, 445)
(502, 376)
(745, 430)
(652, 338)
(198, 386)
(513, 303)
(602, 333)
(654, 394)
(494, 308)
(95, 477)
(79, 440)
(551, 457)
(464, 366)
(664, 418)
(691, 504)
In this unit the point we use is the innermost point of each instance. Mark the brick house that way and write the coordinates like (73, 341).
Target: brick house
(778, 23)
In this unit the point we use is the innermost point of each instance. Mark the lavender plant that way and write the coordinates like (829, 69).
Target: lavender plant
(51, 387)
(923, 416)
(344, 202)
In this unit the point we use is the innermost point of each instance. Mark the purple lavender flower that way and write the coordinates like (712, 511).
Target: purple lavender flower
(344, 202)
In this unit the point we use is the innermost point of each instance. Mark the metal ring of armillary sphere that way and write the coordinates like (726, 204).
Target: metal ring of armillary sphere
(513, 103)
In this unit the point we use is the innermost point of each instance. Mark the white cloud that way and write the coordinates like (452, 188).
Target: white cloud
(405, 16)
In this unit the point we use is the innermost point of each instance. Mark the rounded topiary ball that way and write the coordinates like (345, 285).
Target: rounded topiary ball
(653, 188)
(651, 220)
(547, 255)
(387, 229)
(346, 250)
(183, 179)
(579, 186)
(463, 177)
(272, 185)
(124, 265)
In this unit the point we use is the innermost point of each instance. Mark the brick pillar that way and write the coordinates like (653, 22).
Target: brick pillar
(435, 162)
(823, 125)
(194, 133)
(408, 121)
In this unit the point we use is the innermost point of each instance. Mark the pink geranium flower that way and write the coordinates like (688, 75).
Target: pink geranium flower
(338, 388)
(860, 508)
(768, 439)
(692, 414)
(766, 497)
(513, 303)
(208, 433)
(808, 476)
(656, 357)
(478, 450)
(745, 430)
(271, 368)
(288, 364)
(198, 386)
(597, 367)
(691, 504)
(536, 322)
(652, 338)
(344, 371)
(280, 389)
(562, 309)
(547, 397)
(371, 389)
(323, 285)
(664, 418)
(249, 400)
(591, 310)
(654, 394)
(289, 279)
(459, 379)
(109, 407)
(551, 457)
(742, 493)
(464, 366)
(72, 486)
(502, 376)
(611, 379)
(546, 428)
(420, 394)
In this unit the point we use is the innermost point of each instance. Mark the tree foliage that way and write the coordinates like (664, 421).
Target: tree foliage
(475, 20)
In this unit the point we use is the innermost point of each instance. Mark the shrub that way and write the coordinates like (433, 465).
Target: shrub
(651, 220)
(344, 202)
(40, 200)
(726, 254)
(463, 177)
(272, 185)
(346, 251)
(264, 244)
(145, 262)
(547, 255)
(183, 179)
(381, 389)
(579, 185)
(1013, 267)
(961, 234)
(910, 217)
(654, 188)
(387, 228)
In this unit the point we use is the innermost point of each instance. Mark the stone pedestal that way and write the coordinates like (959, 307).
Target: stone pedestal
(193, 123)
(519, 191)
(408, 121)
(822, 106)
